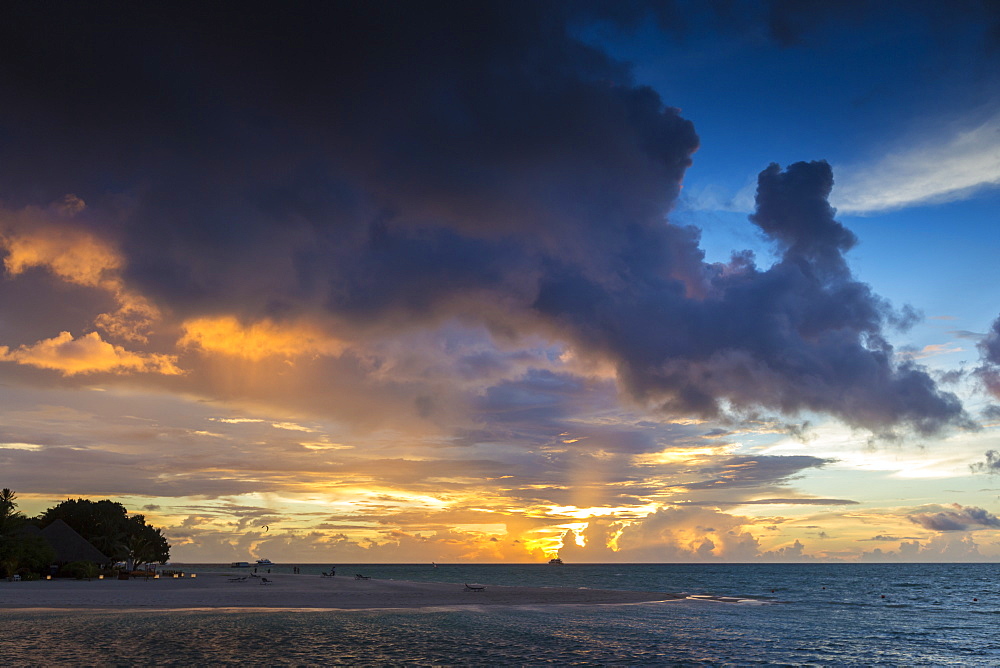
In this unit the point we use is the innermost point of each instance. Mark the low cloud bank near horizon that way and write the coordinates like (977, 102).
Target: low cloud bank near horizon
(956, 518)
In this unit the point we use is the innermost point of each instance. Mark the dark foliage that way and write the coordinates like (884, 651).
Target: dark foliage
(108, 527)
(19, 550)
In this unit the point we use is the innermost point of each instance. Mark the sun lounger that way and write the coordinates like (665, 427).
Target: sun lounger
(475, 587)
(238, 579)
(359, 576)
(265, 581)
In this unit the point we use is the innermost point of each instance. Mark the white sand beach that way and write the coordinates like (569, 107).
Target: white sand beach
(216, 590)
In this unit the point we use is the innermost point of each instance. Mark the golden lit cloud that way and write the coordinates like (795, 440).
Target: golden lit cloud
(19, 446)
(682, 455)
(88, 354)
(586, 513)
(228, 336)
(132, 321)
(291, 426)
(324, 445)
(73, 255)
(32, 239)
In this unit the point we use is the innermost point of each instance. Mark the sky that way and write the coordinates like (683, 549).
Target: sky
(482, 282)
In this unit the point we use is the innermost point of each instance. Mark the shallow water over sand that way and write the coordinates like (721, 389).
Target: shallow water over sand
(817, 614)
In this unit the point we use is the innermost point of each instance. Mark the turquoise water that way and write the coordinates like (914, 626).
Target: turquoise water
(816, 615)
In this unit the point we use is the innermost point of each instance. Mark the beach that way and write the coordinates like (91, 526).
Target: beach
(219, 590)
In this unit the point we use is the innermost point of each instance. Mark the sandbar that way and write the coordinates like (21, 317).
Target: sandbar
(217, 590)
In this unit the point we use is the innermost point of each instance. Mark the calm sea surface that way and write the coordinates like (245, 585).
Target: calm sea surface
(791, 614)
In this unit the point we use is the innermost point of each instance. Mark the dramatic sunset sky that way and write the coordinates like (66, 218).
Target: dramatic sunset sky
(469, 281)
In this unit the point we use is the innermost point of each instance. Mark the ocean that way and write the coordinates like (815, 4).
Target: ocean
(784, 614)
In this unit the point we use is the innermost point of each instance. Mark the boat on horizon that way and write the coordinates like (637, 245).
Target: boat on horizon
(240, 564)
(265, 562)
(555, 562)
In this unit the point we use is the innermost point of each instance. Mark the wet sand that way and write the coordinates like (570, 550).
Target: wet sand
(216, 590)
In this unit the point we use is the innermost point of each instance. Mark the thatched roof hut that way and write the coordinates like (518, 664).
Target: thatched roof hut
(69, 545)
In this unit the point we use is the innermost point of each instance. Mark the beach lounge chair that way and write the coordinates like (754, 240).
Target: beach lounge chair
(359, 576)
(265, 581)
(469, 587)
(238, 579)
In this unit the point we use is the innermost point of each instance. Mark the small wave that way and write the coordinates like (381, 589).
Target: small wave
(728, 599)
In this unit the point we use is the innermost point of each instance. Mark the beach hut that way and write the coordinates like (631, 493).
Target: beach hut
(68, 544)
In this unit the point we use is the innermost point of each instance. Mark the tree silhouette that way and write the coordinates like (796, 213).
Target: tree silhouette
(9, 517)
(17, 549)
(108, 527)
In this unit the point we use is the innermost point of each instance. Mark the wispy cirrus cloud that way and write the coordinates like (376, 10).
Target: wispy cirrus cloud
(955, 164)
(952, 165)
(808, 501)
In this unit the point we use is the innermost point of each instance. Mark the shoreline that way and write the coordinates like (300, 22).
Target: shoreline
(216, 591)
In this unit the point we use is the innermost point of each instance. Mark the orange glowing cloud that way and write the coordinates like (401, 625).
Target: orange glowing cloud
(88, 354)
(71, 254)
(35, 238)
(228, 336)
(132, 321)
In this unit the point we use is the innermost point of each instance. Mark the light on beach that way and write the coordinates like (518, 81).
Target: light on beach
(194, 575)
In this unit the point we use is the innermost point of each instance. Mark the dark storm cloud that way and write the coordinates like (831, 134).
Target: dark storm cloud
(990, 465)
(792, 209)
(966, 518)
(989, 353)
(397, 164)
(801, 335)
(989, 345)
